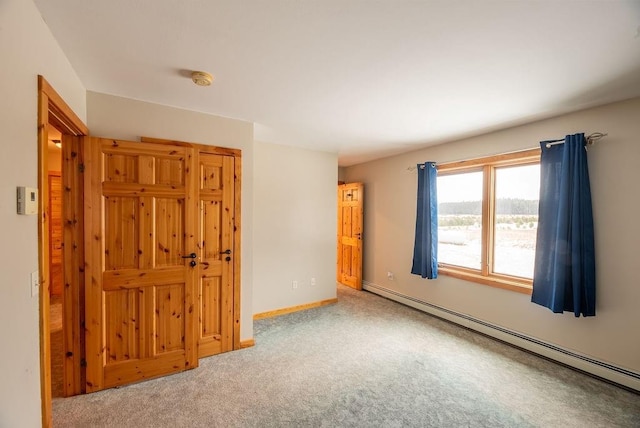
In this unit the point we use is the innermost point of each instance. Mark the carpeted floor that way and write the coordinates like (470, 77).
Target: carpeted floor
(57, 360)
(363, 362)
(57, 353)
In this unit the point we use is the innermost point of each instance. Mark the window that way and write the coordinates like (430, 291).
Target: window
(460, 219)
(488, 219)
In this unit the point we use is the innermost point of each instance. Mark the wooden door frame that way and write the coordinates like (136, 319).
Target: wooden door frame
(237, 222)
(54, 111)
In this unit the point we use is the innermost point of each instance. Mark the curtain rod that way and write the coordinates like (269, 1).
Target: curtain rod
(591, 139)
(414, 168)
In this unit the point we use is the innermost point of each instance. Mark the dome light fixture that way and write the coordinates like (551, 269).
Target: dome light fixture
(201, 78)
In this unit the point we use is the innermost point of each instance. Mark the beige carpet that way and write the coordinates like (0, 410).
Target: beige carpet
(363, 362)
(57, 349)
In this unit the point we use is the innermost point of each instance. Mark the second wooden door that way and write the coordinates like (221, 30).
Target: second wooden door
(350, 210)
(217, 252)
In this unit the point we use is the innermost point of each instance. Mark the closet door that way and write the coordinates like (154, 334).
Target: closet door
(350, 209)
(217, 253)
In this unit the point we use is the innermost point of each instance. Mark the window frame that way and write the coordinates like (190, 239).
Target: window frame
(488, 165)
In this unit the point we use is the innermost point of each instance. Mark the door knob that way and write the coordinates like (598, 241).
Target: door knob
(192, 263)
(226, 252)
(190, 256)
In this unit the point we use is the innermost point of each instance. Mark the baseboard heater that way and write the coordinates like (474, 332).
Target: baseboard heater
(609, 372)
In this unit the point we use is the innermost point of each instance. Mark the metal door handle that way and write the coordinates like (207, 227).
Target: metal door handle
(190, 256)
(225, 252)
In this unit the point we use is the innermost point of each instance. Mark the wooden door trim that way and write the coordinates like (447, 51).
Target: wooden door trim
(214, 150)
(237, 154)
(52, 111)
(237, 180)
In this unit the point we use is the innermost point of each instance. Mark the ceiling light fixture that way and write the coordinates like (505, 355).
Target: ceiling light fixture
(201, 78)
(58, 143)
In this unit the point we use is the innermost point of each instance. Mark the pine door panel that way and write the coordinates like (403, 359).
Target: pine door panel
(121, 217)
(350, 210)
(169, 232)
(216, 199)
(169, 318)
(122, 338)
(211, 297)
(120, 168)
(141, 212)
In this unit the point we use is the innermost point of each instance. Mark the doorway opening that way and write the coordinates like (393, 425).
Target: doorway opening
(54, 175)
(57, 119)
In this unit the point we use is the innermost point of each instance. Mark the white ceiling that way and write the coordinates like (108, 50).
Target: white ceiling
(365, 78)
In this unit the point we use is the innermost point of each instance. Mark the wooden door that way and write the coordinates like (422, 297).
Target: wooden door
(141, 285)
(217, 252)
(219, 227)
(350, 209)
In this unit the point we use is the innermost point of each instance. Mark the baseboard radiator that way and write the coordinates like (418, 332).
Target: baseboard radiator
(609, 372)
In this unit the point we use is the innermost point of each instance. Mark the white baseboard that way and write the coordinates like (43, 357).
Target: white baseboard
(597, 368)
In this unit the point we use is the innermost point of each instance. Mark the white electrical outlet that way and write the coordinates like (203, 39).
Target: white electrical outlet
(294, 284)
(313, 282)
(35, 283)
(390, 276)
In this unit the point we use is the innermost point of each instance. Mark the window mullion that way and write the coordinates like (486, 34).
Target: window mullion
(486, 253)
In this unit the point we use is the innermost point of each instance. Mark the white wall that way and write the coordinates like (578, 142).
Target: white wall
(55, 158)
(27, 49)
(127, 119)
(612, 335)
(341, 173)
(295, 226)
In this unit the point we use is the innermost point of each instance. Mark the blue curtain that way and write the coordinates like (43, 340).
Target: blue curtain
(564, 274)
(425, 249)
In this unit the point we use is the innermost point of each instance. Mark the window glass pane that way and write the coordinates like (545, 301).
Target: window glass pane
(460, 219)
(516, 222)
